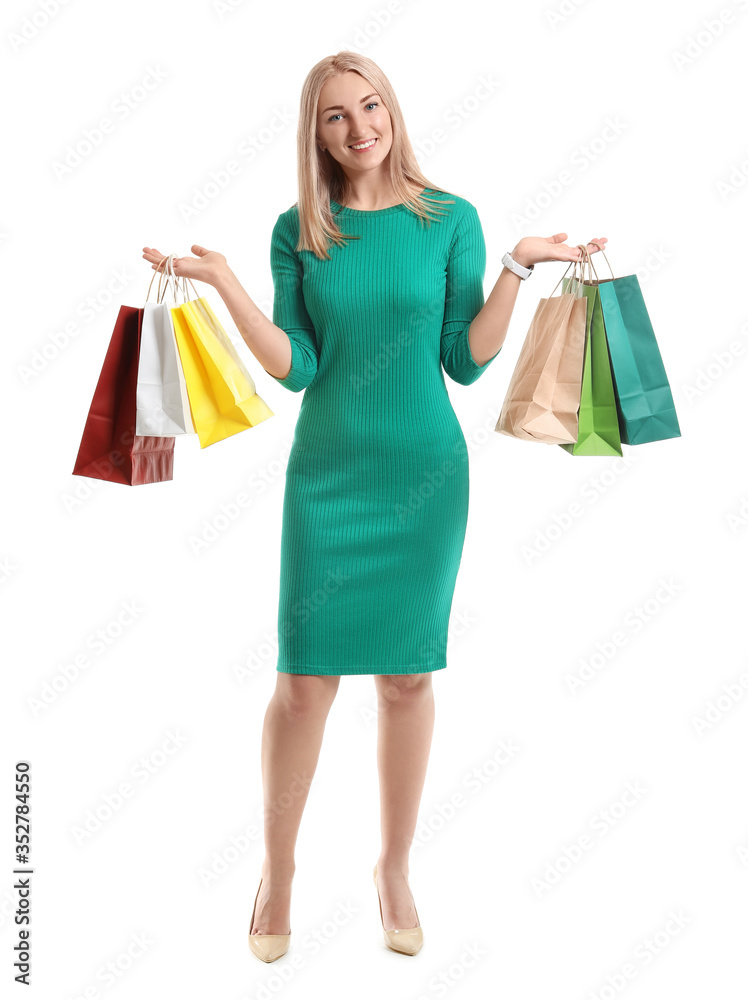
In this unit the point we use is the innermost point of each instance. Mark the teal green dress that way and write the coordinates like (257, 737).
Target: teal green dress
(375, 502)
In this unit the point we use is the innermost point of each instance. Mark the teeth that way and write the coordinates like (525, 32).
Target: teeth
(364, 145)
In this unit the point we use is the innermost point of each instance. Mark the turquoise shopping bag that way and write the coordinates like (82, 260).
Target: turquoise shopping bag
(646, 411)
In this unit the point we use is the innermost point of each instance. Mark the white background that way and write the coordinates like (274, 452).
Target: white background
(199, 659)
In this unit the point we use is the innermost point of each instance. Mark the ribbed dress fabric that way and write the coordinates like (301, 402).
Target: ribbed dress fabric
(375, 503)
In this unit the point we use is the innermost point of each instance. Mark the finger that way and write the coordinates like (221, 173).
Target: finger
(156, 258)
(559, 238)
(565, 252)
(200, 251)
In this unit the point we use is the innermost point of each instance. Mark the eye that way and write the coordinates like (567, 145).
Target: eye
(371, 104)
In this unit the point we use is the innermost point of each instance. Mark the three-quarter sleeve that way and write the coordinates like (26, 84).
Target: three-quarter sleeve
(289, 310)
(466, 269)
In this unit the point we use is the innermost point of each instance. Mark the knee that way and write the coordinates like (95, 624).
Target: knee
(399, 689)
(301, 695)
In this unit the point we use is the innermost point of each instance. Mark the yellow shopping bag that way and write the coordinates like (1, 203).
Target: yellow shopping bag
(222, 395)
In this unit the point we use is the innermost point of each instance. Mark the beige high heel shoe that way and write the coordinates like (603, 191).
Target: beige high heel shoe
(406, 940)
(267, 947)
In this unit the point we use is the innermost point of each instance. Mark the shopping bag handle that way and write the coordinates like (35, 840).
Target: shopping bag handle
(594, 243)
(172, 280)
(584, 258)
(592, 267)
(161, 274)
(170, 268)
(587, 255)
(168, 272)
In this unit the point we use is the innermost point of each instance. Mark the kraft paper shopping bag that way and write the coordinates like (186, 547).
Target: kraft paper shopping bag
(542, 400)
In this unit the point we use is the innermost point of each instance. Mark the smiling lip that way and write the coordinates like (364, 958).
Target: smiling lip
(367, 148)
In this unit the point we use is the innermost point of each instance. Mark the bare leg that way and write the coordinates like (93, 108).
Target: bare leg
(405, 729)
(291, 742)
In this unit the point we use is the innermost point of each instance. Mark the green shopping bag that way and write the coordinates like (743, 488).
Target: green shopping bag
(599, 433)
(646, 411)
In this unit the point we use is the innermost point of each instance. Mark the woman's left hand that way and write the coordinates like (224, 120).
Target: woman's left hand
(537, 249)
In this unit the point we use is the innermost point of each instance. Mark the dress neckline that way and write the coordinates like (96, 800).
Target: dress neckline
(366, 211)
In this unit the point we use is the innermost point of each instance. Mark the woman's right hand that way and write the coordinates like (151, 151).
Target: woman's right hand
(207, 266)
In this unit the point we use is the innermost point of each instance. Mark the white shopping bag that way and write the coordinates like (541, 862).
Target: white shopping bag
(162, 404)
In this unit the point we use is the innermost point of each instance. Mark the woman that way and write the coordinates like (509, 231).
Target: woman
(378, 281)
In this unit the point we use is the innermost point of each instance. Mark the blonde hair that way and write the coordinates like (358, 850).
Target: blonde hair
(321, 177)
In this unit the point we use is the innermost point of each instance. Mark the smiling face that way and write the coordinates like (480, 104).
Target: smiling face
(350, 113)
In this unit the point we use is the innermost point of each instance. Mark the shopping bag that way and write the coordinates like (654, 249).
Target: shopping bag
(542, 400)
(646, 411)
(162, 404)
(110, 448)
(599, 433)
(222, 395)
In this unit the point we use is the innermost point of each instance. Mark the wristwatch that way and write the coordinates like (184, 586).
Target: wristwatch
(511, 264)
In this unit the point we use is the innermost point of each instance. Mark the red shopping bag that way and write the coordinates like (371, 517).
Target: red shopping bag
(110, 449)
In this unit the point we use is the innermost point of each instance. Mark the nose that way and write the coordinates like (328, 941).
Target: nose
(359, 131)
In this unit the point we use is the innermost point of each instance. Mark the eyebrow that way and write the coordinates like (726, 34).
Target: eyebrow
(339, 107)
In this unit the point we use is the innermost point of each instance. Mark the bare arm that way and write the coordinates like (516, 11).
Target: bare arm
(267, 342)
(488, 330)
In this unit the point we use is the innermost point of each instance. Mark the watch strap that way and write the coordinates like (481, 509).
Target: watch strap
(511, 264)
